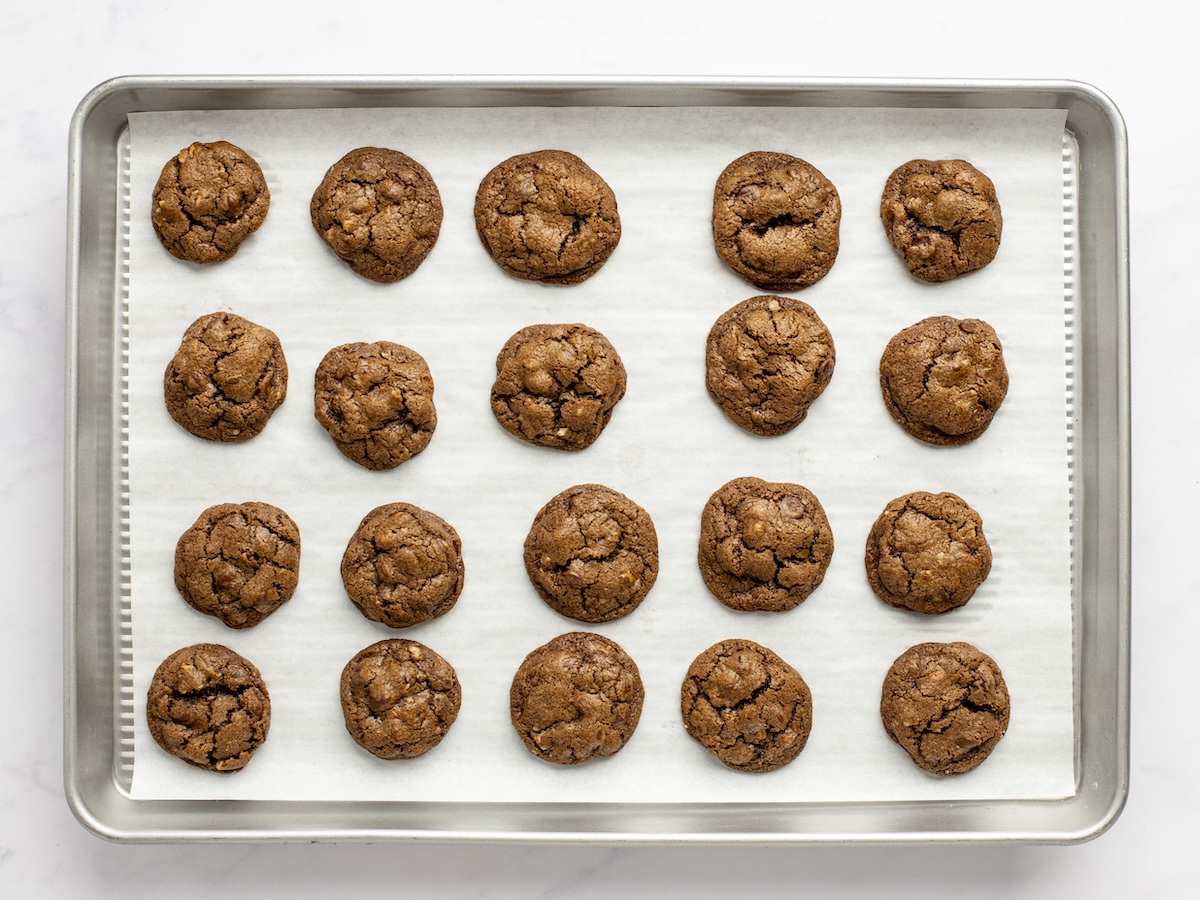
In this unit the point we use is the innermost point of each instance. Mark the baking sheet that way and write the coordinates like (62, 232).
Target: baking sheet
(667, 447)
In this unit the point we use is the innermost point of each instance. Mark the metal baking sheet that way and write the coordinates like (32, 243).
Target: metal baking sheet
(99, 700)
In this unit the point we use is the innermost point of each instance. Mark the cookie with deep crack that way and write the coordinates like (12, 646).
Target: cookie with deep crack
(946, 704)
(767, 360)
(576, 698)
(380, 211)
(927, 553)
(226, 379)
(776, 220)
(238, 562)
(942, 216)
(746, 706)
(763, 545)
(208, 706)
(399, 698)
(943, 379)
(376, 402)
(547, 216)
(208, 200)
(556, 385)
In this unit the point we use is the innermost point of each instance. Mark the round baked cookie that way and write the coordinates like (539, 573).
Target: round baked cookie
(380, 211)
(208, 199)
(376, 402)
(775, 221)
(208, 706)
(399, 698)
(556, 385)
(239, 562)
(592, 553)
(943, 379)
(927, 553)
(546, 216)
(946, 704)
(942, 217)
(763, 545)
(576, 698)
(226, 379)
(746, 706)
(767, 359)
(403, 565)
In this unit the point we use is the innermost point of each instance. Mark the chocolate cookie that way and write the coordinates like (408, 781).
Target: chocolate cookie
(767, 360)
(775, 221)
(942, 217)
(208, 706)
(927, 552)
(226, 379)
(376, 402)
(944, 379)
(746, 706)
(556, 385)
(208, 199)
(946, 705)
(238, 562)
(403, 565)
(592, 553)
(763, 545)
(380, 211)
(399, 698)
(576, 698)
(546, 216)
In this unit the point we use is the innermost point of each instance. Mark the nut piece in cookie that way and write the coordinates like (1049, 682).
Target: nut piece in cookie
(226, 379)
(775, 221)
(746, 706)
(592, 553)
(403, 565)
(546, 216)
(208, 199)
(946, 705)
(943, 379)
(927, 553)
(763, 545)
(376, 402)
(238, 562)
(399, 698)
(942, 216)
(576, 698)
(556, 385)
(208, 706)
(767, 360)
(378, 210)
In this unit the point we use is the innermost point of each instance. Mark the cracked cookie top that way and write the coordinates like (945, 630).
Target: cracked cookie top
(943, 379)
(927, 552)
(763, 545)
(546, 216)
(399, 698)
(208, 706)
(946, 704)
(776, 220)
(208, 199)
(576, 698)
(592, 553)
(746, 706)
(403, 565)
(226, 379)
(380, 211)
(768, 358)
(942, 216)
(557, 385)
(239, 562)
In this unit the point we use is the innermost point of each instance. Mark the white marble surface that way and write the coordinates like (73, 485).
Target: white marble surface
(54, 52)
